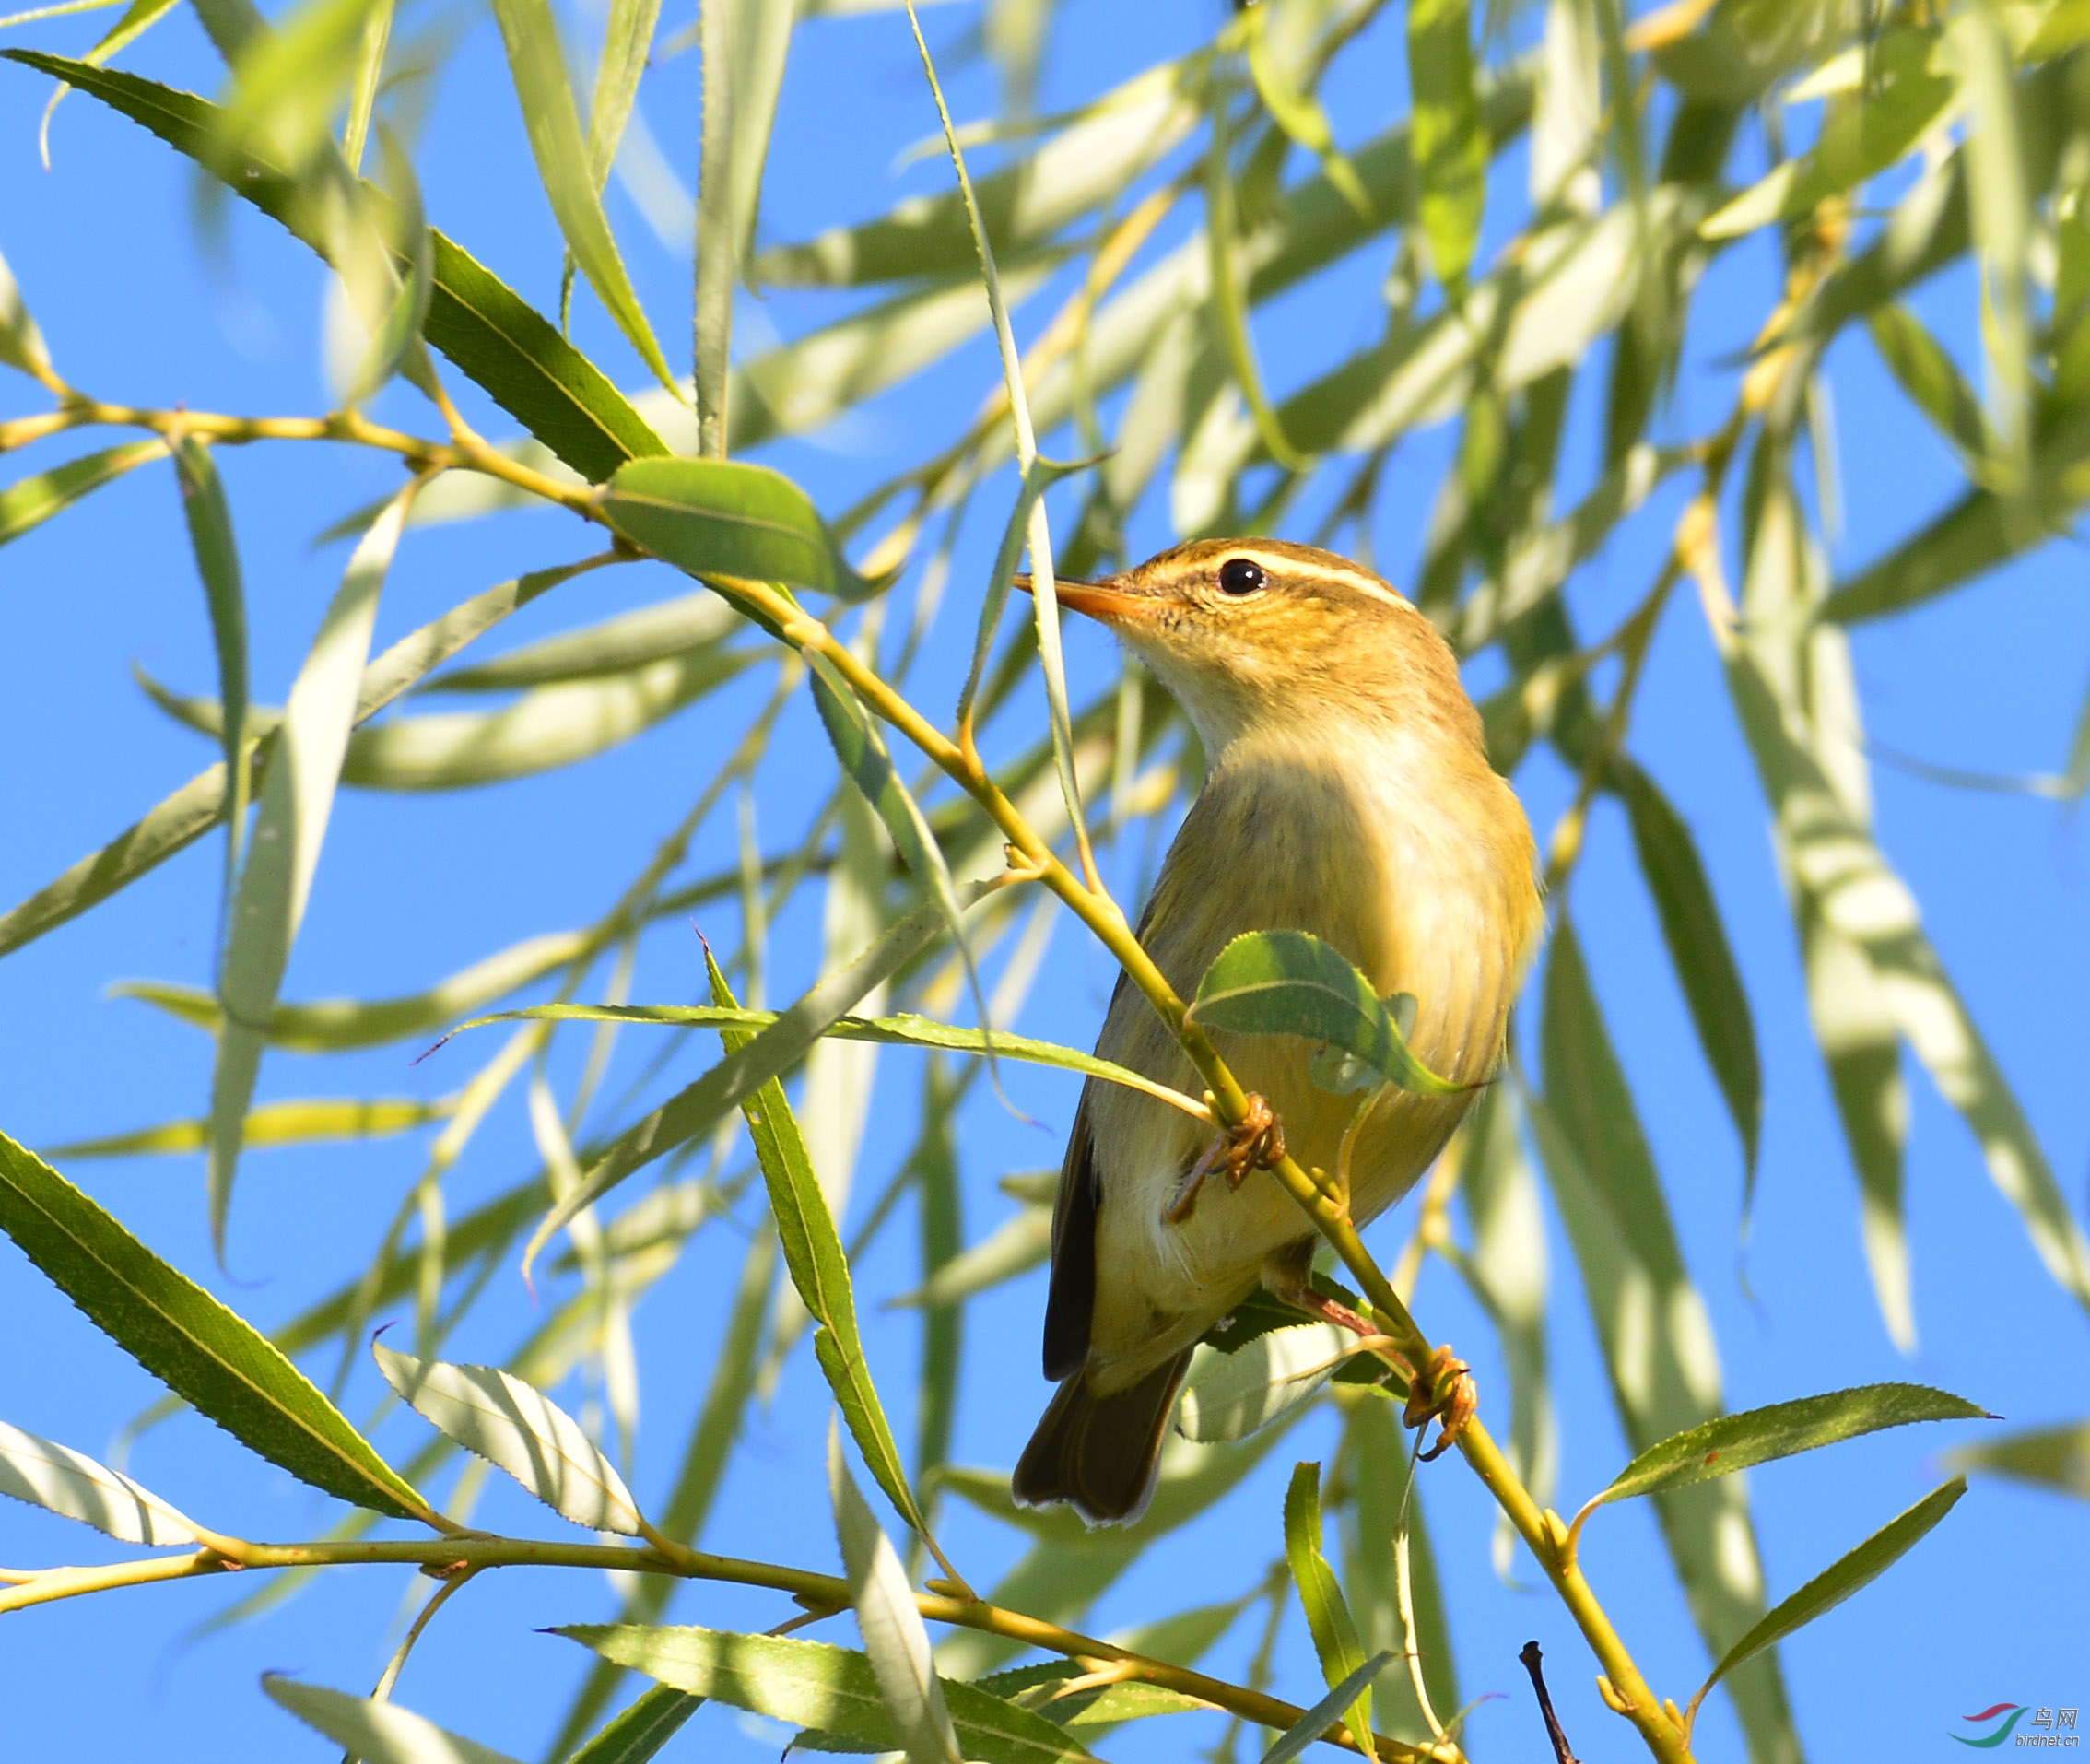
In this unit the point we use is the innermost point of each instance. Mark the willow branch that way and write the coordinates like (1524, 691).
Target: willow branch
(457, 1558)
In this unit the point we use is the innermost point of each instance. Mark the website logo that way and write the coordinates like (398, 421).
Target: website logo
(2054, 1727)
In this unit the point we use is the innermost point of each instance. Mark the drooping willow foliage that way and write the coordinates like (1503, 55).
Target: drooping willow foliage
(1139, 240)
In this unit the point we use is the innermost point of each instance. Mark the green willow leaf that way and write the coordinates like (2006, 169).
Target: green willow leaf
(303, 1123)
(536, 63)
(1019, 1244)
(904, 1030)
(1732, 1442)
(655, 634)
(895, 1638)
(712, 1440)
(1230, 313)
(1507, 1269)
(1695, 934)
(29, 502)
(719, 517)
(374, 1729)
(21, 344)
(1288, 983)
(189, 1341)
(700, 1106)
(1292, 106)
(1849, 1573)
(514, 1425)
(653, 1719)
(1385, 1501)
(818, 1268)
(1315, 1723)
(1230, 1395)
(2049, 1457)
(546, 728)
(1931, 379)
(1024, 206)
(812, 1683)
(502, 343)
(218, 562)
(1839, 870)
(47, 1475)
(1905, 91)
(1334, 1631)
(1659, 1347)
(330, 1025)
(1069, 1567)
(1451, 142)
(296, 799)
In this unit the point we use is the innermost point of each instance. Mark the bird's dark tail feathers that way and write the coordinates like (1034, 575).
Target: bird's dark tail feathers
(1100, 1453)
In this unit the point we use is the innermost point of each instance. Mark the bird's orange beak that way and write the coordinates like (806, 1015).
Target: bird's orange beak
(1101, 601)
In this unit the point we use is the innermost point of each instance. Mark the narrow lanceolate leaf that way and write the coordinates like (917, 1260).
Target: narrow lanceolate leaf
(1843, 873)
(218, 562)
(1288, 983)
(202, 1352)
(66, 1482)
(717, 239)
(655, 634)
(2048, 1457)
(546, 728)
(1698, 949)
(514, 1425)
(1659, 1347)
(853, 734)
(1507, 1268)
(1449, 136)
(811, 1684)
(21, 344)
(704, 1461)
(30, 501)
(1328, 1615)
(537, 65)
(1325, 1714)
(1931, 379)
(700, 1106)
(722, 518)
(1273, 58)
(1837, 1583)
(332, 1024)
(1905, 95)
(297, 800)
(1387, 1531)
(819, 1269)
(1733, 1443)
(304, 1123)
(894, 1635)
(1230, 1396)
(654, 1717)
(1017, 1245)
(505, 345)
(375, 1731)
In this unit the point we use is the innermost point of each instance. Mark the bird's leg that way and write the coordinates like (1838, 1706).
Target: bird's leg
(1287, 1275)
(1444, 1391)
(1254, 1142)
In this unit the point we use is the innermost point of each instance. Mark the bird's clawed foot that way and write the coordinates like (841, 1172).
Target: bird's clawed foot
(1255, 1142)
(1444, 1391)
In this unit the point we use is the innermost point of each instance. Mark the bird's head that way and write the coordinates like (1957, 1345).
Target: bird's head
(1261, 637)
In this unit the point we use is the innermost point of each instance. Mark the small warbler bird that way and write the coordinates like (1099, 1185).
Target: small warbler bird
(1348, 794)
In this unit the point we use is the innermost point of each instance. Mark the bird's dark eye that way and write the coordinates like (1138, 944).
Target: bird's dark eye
(1242, 576)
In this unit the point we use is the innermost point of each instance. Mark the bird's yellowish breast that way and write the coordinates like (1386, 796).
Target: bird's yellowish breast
(1412, 858)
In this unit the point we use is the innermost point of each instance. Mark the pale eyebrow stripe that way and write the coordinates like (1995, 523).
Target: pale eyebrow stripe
(1283, 564)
